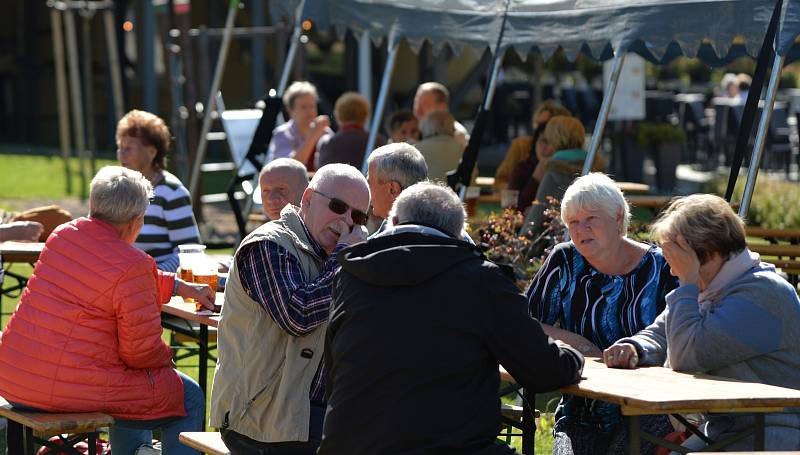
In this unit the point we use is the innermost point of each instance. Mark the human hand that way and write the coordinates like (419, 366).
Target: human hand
(202, 293)
(682, 259)
(621, 355)
(356, 235)
(319, 124)
(26, 231)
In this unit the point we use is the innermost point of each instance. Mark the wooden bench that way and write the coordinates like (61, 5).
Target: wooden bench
(38, 426)
(209, 442)
(774, 235)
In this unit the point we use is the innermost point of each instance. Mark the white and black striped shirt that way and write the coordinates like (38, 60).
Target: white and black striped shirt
(168, 222)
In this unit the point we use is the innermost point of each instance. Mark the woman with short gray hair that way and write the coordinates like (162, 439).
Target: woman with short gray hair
(733, 316)
(92, 311)
(599, 287)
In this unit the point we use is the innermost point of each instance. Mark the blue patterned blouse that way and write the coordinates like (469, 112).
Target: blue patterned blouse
(569, 292)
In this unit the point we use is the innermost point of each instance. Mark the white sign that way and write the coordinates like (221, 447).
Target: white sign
(628, 101)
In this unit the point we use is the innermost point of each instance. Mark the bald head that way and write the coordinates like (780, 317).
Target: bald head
(332, 185)
(282, 182)
(430, 96)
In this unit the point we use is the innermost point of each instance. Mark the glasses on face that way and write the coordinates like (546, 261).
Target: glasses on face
(339, 207)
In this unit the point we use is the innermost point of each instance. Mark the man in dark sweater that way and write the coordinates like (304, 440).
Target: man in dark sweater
(419, 319)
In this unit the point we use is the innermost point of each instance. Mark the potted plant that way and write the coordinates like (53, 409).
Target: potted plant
(665, 141)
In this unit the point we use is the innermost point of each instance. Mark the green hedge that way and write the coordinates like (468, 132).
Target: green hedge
(775, 203)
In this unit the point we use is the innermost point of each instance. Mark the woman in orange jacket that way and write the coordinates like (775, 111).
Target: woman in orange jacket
(86, 336)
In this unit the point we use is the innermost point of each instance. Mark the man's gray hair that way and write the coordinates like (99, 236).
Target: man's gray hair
(401, 162)
(430, 204)
(596, 190)
(293, 167)
(437, 122)
(325, 176)
(118, 195)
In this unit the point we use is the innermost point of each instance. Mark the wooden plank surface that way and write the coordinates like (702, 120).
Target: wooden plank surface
(50, 424)
(209, 442)
(786, 234)
(776, 250)
(27, 252)
(186, 310)
(658, 390)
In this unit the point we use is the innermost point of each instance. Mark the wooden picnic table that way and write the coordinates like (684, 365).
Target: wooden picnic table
(187, 314)
(659, 390)
(24, 252)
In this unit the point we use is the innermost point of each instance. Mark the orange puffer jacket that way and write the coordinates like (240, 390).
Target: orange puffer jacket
(86, 336)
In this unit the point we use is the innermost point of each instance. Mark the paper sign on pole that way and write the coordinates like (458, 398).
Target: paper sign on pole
(629, 98)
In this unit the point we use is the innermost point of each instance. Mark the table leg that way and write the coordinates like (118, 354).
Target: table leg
(528, 422)
(29, 446)
(203, 363)
(758, 435)
(634, 438)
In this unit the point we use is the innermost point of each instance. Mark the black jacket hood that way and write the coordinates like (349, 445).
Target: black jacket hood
(405, 259)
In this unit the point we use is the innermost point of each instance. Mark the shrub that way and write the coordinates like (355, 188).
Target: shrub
(774, 204)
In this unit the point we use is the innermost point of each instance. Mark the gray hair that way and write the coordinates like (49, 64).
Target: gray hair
(293, 167)
(298, 88)
(599, 191)
(325, 176)
(118, 195)
(401, 162)
(437, 122)
(430, 204)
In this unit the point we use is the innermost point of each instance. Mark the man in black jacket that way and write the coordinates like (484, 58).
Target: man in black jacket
(420, 319)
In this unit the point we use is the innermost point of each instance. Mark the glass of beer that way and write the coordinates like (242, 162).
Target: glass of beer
(190, 256)
(205, 272)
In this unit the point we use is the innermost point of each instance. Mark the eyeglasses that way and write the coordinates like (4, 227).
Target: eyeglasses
(339, 207)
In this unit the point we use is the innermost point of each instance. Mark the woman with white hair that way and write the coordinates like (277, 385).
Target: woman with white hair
(301, 137)
(599, 287)
(733, 316)
(441, 150)
(86, 335)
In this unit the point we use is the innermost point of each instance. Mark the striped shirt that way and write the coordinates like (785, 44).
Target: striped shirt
(168, 222)
(569, 292)
(273, 277)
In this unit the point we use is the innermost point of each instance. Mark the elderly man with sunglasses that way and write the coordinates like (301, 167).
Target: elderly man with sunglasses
(268, 394)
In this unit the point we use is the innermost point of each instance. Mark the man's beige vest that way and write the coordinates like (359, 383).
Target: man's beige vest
(263, 375)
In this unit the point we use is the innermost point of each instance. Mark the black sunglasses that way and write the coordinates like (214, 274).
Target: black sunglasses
(339, 207)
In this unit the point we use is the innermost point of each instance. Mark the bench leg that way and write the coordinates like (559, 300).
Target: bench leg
(28, 442)
(634, 438)
(14, 436)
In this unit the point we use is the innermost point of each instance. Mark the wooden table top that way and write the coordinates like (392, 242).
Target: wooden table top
(658, 390)
(27, 252)
(186, 310)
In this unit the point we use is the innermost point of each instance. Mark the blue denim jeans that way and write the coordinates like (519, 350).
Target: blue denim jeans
(127, 435)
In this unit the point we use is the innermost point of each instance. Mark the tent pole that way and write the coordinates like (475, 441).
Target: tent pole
(605, 108)
(490, 91)
(380, 104)
(287, 65)
(61, 91)
(209, 107)
(77, 102)
(365, 65)
(761, 135)
(113, 63)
